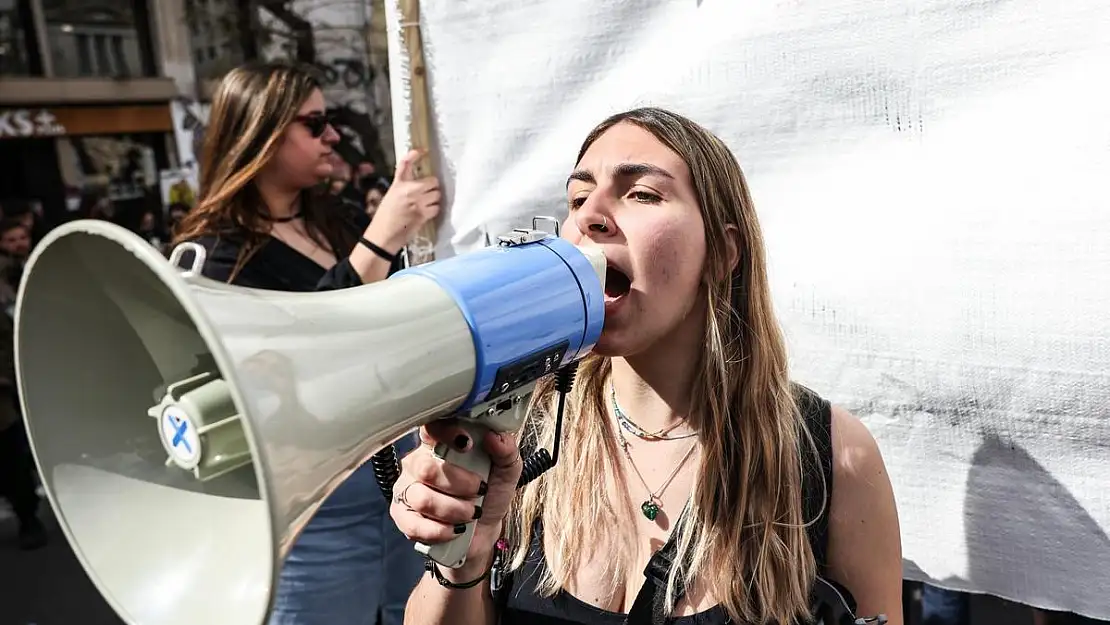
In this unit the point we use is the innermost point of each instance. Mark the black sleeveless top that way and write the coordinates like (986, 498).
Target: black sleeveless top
(519, 603)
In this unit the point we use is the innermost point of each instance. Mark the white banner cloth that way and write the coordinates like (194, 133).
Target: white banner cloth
(930, 175)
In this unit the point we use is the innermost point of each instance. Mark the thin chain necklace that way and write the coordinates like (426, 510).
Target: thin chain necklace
(651, 506)
(634, 429)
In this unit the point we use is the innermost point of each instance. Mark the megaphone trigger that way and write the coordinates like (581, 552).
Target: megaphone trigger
(452, 554)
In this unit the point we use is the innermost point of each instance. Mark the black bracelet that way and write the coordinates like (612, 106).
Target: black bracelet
(377, 250)
(446, 583)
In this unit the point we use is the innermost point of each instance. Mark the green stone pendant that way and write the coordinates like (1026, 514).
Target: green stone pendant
(650, 510)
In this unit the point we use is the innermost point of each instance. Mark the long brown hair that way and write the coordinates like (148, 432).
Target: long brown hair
(743, 537)
(251, 109)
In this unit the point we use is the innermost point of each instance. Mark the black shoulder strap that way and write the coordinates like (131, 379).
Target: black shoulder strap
(647, 608)
(817, 472)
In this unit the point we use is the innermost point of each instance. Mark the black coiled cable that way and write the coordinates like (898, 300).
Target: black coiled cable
(540, 461)
(535, 465)
(387, 467)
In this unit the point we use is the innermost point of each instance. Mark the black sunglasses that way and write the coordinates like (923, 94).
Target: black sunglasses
(316, 123)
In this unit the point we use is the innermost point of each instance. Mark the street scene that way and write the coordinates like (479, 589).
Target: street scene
(542, 242)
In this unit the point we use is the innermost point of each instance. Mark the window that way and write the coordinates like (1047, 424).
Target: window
(18, 47)
(103, 65)
(215, 36)
(84, 55)
(108, 38)
(119, 57)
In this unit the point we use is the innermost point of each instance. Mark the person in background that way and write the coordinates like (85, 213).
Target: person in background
(17, 467)
(340, 177)
(365, 169)
(346, 185)
(30, 215)
(267, 222)
(100, 206)
(148, 229)
(15, 248)
(177, 212)
(376, 188)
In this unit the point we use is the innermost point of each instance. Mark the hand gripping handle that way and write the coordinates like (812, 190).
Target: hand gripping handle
(452, 554)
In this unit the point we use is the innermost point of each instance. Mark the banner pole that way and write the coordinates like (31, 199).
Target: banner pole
(421, 249)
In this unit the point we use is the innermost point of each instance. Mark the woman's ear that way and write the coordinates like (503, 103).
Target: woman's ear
(732, 248)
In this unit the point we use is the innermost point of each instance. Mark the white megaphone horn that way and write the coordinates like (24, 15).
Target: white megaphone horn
(186, 430)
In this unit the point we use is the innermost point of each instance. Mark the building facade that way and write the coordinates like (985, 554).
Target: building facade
(345, 40)
(89, 94)
(108, 99)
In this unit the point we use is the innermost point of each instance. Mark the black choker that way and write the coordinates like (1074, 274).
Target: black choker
(284, 220)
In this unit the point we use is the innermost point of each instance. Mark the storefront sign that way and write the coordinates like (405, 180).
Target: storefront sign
(21, 123)
(84, 120)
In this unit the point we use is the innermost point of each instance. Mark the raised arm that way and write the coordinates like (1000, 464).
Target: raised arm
(405, 208)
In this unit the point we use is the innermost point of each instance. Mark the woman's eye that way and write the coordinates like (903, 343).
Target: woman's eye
(577, 202)
(646, 198)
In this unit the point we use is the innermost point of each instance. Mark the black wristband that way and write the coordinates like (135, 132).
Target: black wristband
(378, 250)
(446, 583)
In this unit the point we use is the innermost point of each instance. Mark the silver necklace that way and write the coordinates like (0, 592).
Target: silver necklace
(634, 429)
(651, 506)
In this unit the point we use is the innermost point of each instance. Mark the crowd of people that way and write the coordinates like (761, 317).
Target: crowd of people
(21, 226)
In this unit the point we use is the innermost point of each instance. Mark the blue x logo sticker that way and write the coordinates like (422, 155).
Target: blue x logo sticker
(180, 426)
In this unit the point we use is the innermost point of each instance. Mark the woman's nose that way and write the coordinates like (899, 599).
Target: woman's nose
(593, 220)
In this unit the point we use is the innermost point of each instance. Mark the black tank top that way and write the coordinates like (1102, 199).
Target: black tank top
(520, 604)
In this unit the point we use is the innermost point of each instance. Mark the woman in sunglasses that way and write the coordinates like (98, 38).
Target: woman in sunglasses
(268, 223)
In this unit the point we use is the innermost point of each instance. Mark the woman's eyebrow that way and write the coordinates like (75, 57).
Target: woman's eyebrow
(623, 170)
(628, 170)
(582, 175)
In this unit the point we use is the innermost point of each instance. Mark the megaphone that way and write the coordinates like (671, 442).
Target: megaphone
(186, 430)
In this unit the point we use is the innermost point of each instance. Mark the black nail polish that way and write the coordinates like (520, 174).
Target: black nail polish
(477, 512)
(461, 442)
(460, 528)
(482, 489)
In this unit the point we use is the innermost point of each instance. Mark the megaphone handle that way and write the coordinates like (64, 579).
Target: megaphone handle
(452, 554)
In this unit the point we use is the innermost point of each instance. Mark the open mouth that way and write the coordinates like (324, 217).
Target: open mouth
(617, 283)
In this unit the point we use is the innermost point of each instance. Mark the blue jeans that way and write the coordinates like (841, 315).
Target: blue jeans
(940, 606)
(351, 562)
